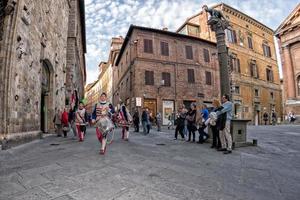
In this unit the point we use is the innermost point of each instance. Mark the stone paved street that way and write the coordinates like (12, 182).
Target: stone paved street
(153, 167)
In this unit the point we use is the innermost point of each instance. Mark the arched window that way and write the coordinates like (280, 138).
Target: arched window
(298, 85)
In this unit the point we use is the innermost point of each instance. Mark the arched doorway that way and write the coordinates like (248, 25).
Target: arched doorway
(45, 96)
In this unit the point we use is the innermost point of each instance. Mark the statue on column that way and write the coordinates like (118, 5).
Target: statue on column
(216, 19)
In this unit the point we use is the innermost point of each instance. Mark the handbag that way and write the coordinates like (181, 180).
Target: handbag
(66, 128)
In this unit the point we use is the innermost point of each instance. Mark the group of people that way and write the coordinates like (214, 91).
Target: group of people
(147, 120)
(104, 119)
(273, 117)
(191, 120)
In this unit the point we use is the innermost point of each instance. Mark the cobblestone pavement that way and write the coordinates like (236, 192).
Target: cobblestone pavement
(153, 167)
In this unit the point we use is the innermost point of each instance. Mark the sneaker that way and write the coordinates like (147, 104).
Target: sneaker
(227, 152)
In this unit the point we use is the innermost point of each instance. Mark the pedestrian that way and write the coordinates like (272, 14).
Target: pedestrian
(146, 121)
(136, 121)
(273, 117)
(171, 119)
(292, 117)
(266, 117)
(225, 136)
(158, 121)
(57, 122)
(71, 118)
(180, 119)
(104, 125)
(65, 122)
(81, 121)
(125, 120)
(191, 121)
(203, 126)
(215, 123)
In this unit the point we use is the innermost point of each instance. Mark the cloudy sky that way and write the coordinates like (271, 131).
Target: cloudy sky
(108, 18)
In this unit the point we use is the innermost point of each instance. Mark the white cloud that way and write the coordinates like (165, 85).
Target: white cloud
(108, 18)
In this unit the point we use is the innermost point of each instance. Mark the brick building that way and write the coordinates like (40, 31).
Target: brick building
(288, 34)
(92, 95)
(160, 70)
(253, 65)
(34, 68)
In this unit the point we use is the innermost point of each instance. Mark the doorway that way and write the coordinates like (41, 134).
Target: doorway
(45, 91)
(151, 105)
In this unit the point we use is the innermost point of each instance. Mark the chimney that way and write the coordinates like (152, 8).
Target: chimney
(165, 29)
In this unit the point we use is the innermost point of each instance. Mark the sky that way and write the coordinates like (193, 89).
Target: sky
(110, 18)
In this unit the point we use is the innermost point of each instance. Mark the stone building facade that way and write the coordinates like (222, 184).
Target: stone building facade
(288, 34)
(161, 70)
(255, 82)
(33, 52)
(92, 95)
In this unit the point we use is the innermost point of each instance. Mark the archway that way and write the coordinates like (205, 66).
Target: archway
(46, 95)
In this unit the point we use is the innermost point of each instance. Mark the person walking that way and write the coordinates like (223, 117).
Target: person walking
(291, 117)
(81, 121)
(136, 121)
(274, 117)
(266, 117)
(181, 115)
(191, 121)
(65, 122)
(216, 122)
(101, 117)
(225, 136)
(146, 121)
(57, 123)
(71, 118)
(158, 121)
(125, 120)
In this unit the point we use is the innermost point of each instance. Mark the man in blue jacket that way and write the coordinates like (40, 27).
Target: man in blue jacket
(225, 136)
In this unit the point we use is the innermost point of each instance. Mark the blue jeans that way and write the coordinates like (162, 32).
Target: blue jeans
(146, 127)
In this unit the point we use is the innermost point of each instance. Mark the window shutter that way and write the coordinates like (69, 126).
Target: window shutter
(164, 46)
(149, 78)
(206, 55)
(189, 52)
(238, 66)
(191, 76)
(234, 36)
(148, 47)
(250, 44)
(208, 78)
(167, 79)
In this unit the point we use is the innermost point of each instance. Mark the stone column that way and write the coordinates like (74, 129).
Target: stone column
(289, 73)
(218, 26)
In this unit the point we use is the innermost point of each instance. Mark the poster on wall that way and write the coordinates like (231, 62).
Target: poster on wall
(168, 109)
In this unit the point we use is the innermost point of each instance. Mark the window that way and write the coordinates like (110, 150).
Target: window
(193, 30)
(256, 92)
(250, 44)
(191, 76)
(206, 55)
(148, 46)
(189, 52)
(231, 36)
(269, 74)
(237, 89)
(253, 69)
(164, 47)
(126, 57)
(267, 50)
(166, 77)
(208, 78)
(298, 85)
(271, 95)
(149, 78)
(234, 64)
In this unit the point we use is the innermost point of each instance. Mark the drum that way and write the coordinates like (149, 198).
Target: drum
(105, 125)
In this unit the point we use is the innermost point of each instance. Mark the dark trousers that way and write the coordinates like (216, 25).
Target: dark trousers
(191, 129)
(179, 128)
(136, 126)
(216, 137)
(202, 135)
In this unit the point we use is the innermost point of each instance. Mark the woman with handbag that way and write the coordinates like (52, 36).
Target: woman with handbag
(81, 121)
(65, 122)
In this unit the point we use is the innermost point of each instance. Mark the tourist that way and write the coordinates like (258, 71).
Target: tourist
(81, 119)
(266, 117)
(125, 120)
(181, 115)
(146, 121)
(171, 119)
(273, 117)
(291, 117)
(158, 121)
(216, 123)
(104, 125)
(191, 121)
(225, 136)
(65, 122)
(136, 121)
(57, 122)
